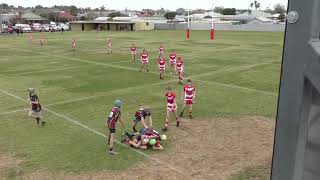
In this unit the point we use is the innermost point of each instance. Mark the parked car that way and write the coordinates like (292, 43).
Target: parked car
(24, 27)
(36, 27)
(44, 28)
(55, 27)
(65, 27)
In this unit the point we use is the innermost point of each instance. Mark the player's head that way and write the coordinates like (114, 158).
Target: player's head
(31, 91)
(144, 51)
(189, 81)
(118, 103)
(169, 88)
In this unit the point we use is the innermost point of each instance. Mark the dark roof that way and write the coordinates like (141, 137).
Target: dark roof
(100, 22)
(32, 17)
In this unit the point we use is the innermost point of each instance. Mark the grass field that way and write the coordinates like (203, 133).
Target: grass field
(236, 76)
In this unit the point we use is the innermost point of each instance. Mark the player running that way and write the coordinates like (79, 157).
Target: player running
(161, 50)
(141, 115)
(189, 92)
(41, 39)
(171, 107)
(109, 45)
(144, 60)
(114, 116)
(73, 44)
(173, 59)
(35, 111)
(133, 50)
(179, 66)
(162, 66)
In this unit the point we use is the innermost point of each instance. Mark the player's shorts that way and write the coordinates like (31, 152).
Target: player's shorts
(133, 52)
(172, 108)
(180, 71)
(162, 69)
(188, 101)
(145, 61)
(112, 130)
(173, 62)
(36, 114)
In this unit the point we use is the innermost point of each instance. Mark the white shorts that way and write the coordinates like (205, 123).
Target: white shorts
(34, 114)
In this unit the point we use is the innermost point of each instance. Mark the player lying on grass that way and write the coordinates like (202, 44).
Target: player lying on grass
(171, 107)
(141, 115)
(113, 117)
(133, 50)
(189, 93)
(162, 66)
(35, 111)
(179, 66)
(144, 60)
(147, 137)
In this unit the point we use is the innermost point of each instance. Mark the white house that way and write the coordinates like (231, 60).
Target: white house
(257, 13)
(260, 20)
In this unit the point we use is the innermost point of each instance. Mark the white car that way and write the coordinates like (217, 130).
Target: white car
(44, 28)
(24, 27)
(36, 26)
(65, 27)
(55, 27)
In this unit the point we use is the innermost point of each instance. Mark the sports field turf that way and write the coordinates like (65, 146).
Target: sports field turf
(237, 75)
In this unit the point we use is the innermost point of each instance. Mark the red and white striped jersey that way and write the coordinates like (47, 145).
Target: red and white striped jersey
(173, 57)
(145, 57)
(162, 63)
(189, 92)
(180, 65)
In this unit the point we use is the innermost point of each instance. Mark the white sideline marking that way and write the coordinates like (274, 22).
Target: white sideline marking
(69, 101)
(14, 111)
(239, 87)
(97, 132)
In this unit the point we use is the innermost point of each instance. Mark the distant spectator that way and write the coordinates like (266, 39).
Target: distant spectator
(21, 30)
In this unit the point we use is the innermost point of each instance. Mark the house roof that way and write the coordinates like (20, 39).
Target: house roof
(100, 22)
(32, 17)
(263, 19)
(256, 13)
(123, 18)
(101, 18)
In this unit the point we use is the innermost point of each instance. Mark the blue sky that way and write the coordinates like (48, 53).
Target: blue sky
(141, 4)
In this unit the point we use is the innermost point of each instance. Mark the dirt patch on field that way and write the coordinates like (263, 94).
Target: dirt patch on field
(8, 161)
(207, 149)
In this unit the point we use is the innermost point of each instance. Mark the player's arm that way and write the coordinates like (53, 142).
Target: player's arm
(144, 122)
(150, 120)
(121, 122)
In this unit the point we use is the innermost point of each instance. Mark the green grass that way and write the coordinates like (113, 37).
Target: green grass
(227, 86)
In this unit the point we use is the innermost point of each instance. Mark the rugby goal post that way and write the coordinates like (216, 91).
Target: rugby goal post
(296, 154)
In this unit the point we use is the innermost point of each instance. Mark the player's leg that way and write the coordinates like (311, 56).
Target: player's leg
(172, 68)
(190, 111)
(166, 126)
(141, 66)
(177, 118)
(112, 138)
(183, 109)
(147, 66)
(134, 127)
(180, 77)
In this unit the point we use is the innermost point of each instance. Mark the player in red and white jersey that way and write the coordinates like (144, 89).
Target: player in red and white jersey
(133, 50)
(188, 95)
(144, 60)
(179, 66)
(162, 66)
(161, 50)
(173, 60)
(109, 45)
(171, 107)
(73, 43)
(41, 39)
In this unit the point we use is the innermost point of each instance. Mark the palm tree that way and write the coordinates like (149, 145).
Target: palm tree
(251, 5)
(257, 5)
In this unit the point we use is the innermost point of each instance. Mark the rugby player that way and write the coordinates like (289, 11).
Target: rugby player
(189, 92)
(113, 117)
(36, 109)
(171, 107)
(141, 115)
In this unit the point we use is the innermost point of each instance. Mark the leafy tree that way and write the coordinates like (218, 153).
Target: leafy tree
(39, 7)
(219, 9)
(117, 14)
(83, 18)
(279, 8)
(282, 17)
(257, 5)
(180, 11)
(170, 15)
(229, 11)
(73, 10)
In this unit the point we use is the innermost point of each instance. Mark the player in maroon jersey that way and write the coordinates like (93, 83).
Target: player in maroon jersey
(113, 117)
(133, 50)
(173, 60)
(36, 109)
(188, 95)
(179, 66)
(171, 107)
(162, 66)
(144, 60)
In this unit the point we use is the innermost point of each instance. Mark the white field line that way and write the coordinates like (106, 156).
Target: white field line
(98, 133)
(49, 70)
(239, 87)
(14, 111)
